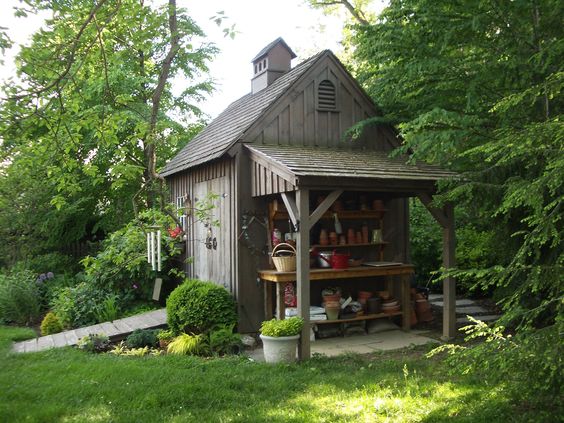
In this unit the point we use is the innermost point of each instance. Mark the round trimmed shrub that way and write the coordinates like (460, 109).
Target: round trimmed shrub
(198, 307)
(51, 324)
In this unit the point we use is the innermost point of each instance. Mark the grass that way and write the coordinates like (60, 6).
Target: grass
(68, 385)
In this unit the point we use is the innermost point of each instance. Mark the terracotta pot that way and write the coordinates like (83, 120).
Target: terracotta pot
(323, 238)
(364, 231)
(413, 316)
(377, 205)
(423, 310)
(331, 298)
(333, 238)
(364, 294)
(332, 310)
(359, 237)
(337, 206)
(351, 239)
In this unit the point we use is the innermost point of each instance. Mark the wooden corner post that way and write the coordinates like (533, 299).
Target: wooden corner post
(302, 270)
(449, 284)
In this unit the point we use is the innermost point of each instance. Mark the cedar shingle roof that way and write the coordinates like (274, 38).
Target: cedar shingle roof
(304, 161)
(217, 137)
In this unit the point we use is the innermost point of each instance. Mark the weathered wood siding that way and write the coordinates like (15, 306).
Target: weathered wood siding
(265, 182)
(216, 265)
(297, 119)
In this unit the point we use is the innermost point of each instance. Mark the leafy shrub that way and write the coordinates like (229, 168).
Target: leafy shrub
(425, 241)
(50, 324)
(122, 349)
(142, 338)
(78, 305)
(530, 362)
(20, 298)
(54, 262)
(223, 341)
(189, 344)
(108, 310)
(138, 308)
(165, 335)
(94, 343)
(287, 327)
(121, 265)
(198, 307)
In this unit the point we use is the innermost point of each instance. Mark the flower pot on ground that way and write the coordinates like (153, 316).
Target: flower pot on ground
(280, 339)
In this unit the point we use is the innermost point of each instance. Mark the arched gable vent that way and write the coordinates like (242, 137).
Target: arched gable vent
(326, 95)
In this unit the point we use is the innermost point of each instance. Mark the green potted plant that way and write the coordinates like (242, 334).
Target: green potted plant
(280, 339)
(165, 337)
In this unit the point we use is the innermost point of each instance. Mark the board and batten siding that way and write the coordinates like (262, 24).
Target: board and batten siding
(297, 118)
(219, 265)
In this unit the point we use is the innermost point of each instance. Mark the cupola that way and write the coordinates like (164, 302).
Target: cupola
(271, 63)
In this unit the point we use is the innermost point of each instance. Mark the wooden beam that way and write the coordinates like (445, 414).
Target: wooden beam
(324, 206)
(302, 271)
(292, 208)
(449, 284)
(437, 213)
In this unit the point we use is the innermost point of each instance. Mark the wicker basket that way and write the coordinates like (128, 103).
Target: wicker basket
(284, 257)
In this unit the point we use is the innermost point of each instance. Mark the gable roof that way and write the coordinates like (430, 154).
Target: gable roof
(222, 132)
(271, 45)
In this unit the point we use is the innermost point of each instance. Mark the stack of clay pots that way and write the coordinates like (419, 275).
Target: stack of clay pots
(332, 304)
(391, 306)
(363, 297)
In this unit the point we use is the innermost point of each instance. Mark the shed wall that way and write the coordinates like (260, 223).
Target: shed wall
(219, 265)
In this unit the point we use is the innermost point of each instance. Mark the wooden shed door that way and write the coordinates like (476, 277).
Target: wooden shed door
(214, 265)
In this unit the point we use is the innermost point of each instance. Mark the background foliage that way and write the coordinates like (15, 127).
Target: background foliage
(92, 110)
(475, 86)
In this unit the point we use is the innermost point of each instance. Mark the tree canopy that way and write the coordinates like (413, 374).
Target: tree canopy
(476, 86)
(91, 117)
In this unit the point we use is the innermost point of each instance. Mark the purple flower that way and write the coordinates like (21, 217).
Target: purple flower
(50, 275)
(135, 286)
(42, 277)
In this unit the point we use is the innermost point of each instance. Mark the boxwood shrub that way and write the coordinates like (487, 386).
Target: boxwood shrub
(198, 307)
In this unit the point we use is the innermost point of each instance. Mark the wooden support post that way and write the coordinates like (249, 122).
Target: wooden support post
(406, 302)
(280, 306)
(449, 284)
(291, 207)
(268, 300)
(302, 271)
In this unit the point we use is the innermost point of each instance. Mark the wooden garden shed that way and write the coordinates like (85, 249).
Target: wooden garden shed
(279, 157)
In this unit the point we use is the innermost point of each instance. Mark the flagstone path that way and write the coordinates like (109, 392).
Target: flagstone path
(115, 330)
(465, 307)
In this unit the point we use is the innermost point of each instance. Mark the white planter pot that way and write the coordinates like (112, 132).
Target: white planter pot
(281, 349)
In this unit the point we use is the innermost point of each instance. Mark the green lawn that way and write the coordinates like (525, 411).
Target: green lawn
(71, 386)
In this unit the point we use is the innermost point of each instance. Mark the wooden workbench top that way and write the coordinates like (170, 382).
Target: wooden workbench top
(328, 274)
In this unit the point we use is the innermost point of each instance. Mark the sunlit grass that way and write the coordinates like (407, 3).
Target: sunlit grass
(70, 386)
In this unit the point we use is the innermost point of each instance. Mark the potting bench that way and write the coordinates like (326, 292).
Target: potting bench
(401, 274)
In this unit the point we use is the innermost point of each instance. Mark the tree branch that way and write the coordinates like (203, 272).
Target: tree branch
(70, 60)
(356, 13)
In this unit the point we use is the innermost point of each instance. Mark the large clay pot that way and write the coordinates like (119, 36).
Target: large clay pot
(423, 310)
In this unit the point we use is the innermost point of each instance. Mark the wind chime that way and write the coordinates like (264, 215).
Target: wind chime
(154, 248)
(154, 257)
